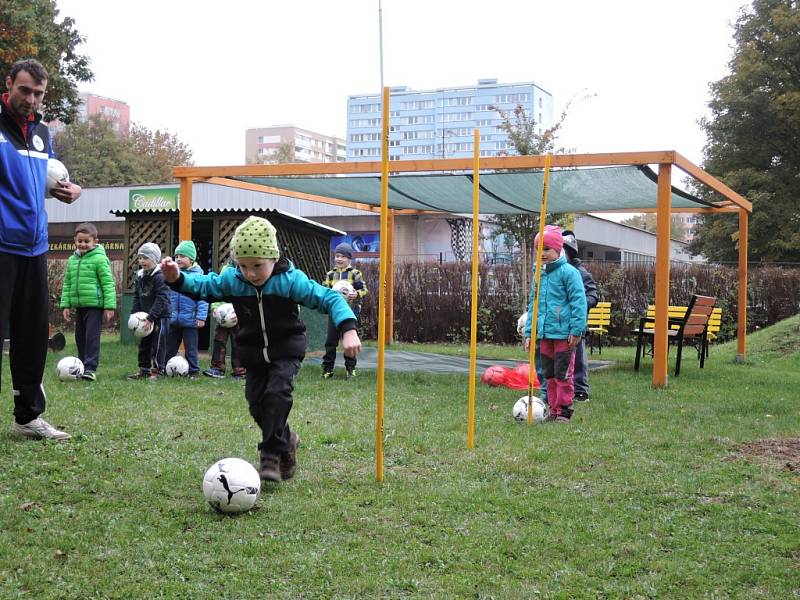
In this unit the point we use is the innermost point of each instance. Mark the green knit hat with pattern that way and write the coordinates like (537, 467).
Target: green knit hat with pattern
(255, 238)
(187, 249)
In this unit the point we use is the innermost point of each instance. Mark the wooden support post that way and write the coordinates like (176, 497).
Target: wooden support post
(660, 338)
(185, 210)
(741, 326)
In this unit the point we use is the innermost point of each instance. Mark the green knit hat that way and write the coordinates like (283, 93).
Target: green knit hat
(186, 247)
(255, 238)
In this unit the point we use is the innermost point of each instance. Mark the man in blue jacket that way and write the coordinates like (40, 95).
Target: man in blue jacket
(24, 151)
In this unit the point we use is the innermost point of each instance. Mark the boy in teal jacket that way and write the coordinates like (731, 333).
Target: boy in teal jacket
(265, 290)
(89, 289)
(560, 322)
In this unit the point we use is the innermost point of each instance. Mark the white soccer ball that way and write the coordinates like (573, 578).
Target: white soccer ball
(344, 287)
(231, 485)
(521, 323)
(139, 325)
(69, 368)
(225, 315)
(520, 410)
(177, 366)
(56, 171)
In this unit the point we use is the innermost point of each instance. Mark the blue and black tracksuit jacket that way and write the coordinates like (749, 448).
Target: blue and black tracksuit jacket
(269, 323)
(23, 175)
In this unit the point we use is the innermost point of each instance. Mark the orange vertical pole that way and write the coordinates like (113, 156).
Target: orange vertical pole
(473, 323)
(382, 282)
(185, 210)
(390, 278)
(741, 326)
(660, 339)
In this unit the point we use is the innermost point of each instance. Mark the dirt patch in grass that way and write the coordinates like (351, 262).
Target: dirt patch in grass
(778, 452)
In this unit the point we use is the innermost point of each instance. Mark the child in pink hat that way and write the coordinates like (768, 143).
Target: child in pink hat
(560, 322)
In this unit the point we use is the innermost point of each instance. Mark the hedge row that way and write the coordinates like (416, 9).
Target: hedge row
(432, 300)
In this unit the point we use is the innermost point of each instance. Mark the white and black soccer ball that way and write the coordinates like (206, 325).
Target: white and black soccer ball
(520, 410)
(69, 368)
(139, 325)
(231, 486)
(344, 287)
(56, 171)
(521, 323)
(177, 366)
(225, 315)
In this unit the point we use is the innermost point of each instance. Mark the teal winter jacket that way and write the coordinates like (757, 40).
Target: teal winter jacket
(562, 302)
(269, 320)
(88, 281)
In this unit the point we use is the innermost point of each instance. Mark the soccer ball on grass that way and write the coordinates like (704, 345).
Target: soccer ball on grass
(177, 366)
(69, 368)
(231, 486)
(520, 410)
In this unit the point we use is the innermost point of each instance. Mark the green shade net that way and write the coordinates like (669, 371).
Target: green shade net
(571, 190)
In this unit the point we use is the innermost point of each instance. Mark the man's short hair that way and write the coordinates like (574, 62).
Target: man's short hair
(87, 228)
(33, 67)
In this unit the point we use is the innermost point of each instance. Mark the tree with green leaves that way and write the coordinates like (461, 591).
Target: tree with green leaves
(158, 152)
(649, 222)
(31, 29)
(97, 155)
(753, 134)
(525, 139)
(283, 154)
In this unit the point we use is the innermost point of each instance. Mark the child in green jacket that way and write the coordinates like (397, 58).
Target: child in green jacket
(89, 289)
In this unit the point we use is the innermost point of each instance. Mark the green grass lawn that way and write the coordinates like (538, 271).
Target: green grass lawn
(643, 495)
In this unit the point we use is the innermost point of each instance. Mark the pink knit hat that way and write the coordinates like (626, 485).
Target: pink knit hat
(552, 238)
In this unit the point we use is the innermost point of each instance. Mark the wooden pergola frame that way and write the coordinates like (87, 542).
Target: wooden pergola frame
(665, 160)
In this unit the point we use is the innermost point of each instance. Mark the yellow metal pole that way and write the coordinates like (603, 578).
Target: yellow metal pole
(660, 339)
(473, 329)
(382, 282)
(741, 326)
(535, 309)
(185, 210)
(390, 278)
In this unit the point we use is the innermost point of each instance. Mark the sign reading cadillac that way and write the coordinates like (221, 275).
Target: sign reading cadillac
(154, 199)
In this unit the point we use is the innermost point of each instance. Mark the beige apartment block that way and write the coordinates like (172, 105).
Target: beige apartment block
(262, 143)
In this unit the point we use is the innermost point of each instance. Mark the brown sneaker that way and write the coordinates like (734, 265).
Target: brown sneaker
(270, 467)
(153, 374)
(289, 458)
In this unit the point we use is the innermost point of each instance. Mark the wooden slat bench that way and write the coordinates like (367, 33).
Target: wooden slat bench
(691, 324)
(677, 313)
(597, 324)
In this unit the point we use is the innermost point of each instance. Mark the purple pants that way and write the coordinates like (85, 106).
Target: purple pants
(558, 364)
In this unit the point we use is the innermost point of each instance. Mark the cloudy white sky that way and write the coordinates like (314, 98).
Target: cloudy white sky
(207, 71)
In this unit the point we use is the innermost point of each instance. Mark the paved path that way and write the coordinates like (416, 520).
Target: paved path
(429, 362)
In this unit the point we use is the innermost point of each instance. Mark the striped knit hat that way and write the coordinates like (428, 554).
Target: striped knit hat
(255, 238)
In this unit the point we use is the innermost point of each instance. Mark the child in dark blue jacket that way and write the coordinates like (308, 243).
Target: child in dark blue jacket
(187, 316)
(265, 291)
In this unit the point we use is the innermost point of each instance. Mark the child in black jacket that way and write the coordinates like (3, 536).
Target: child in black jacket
(151, 296)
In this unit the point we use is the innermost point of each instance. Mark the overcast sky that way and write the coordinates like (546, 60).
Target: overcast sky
(207, 71)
